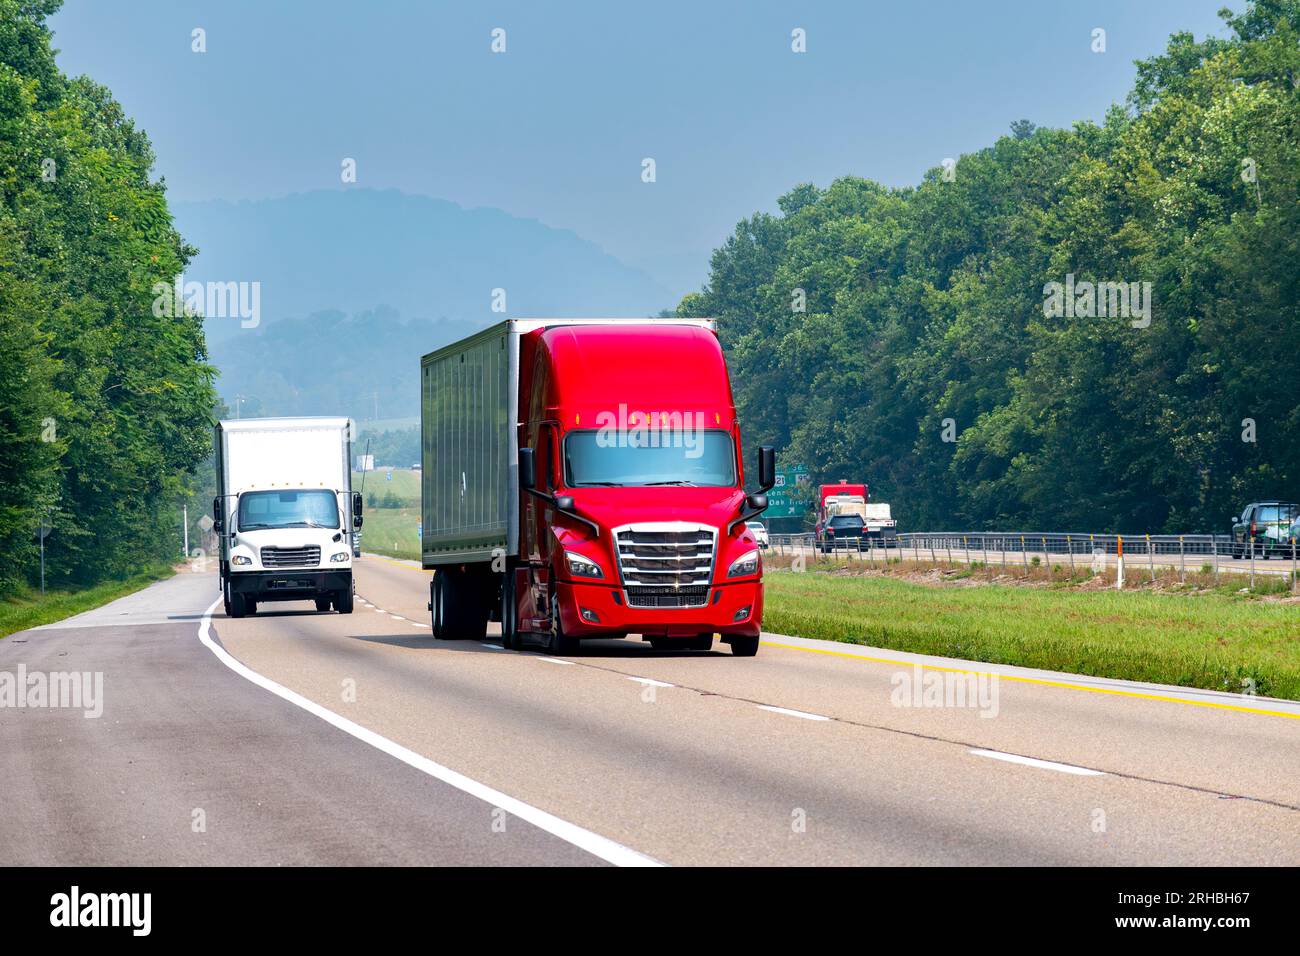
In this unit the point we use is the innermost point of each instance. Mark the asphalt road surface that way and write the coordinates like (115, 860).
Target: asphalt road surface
(297, 737)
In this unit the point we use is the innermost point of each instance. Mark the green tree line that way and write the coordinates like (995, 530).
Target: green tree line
(906, 337)
(105, 407)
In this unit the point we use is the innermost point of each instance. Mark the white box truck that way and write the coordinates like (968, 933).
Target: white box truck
(285, 512)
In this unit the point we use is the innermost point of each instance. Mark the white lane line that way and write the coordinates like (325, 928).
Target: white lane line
(792, 713)
(1043, 764)
(418, 624)
(379, 610)
(398, 616)
(495, 647)
(595, 844)
(553, 660)
(650, 683)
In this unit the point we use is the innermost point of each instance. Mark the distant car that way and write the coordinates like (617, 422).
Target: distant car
(415, 467)
(1264, 529)
(760, 532)
(848, 528)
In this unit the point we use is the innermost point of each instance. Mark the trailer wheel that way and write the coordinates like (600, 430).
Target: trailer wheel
(322, 604)
(461, 605)
(435, 605)
(509, 622)
(742, 646)
(250, 605)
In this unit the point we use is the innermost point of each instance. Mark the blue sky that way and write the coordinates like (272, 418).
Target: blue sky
(556, 128)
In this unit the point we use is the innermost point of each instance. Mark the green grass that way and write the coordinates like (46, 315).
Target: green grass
(405, 484)
(1210, 639)
(391, 531)
(30, 608)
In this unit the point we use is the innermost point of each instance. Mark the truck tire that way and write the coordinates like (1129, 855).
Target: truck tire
(322, 604)
(557, 642)
(435, 605)
(343, 601)
(509, 622)
(742, 646)
(237, 606)
(462, 598)
(250, 605)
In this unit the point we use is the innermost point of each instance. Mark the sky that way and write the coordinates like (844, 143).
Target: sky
(557, 127)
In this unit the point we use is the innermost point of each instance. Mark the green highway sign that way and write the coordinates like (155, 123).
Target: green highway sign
(792, 495)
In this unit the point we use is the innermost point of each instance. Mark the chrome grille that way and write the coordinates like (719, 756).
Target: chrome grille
(307, 557)
(667, 564)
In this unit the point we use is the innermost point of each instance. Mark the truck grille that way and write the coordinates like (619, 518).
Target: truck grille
(307, 557)
(668, 564)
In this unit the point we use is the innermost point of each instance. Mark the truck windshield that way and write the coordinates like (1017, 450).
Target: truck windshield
(703, 458)
(287, 509)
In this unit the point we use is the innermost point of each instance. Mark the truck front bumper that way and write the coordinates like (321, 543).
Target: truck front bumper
(289, 585)
(731, 609)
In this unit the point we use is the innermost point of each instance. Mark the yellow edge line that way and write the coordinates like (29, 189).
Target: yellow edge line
(1039, 680)
(966, 670)
(388, 560)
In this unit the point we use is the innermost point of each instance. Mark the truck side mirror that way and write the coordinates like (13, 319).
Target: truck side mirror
(766, 467)
(757, 502)
(356, 507)
(218, 522)
(527, 469)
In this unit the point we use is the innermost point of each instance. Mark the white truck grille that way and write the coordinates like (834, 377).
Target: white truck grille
(666, 564)
(307, 557)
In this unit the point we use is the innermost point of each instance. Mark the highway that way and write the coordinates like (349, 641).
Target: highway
(311, 738)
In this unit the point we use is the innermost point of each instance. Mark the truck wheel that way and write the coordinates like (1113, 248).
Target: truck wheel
(463, 600)
(435, 605)
(557, 641)
(237, 606)
(343, 601)
(742, 646)
(250, 605)
(509, 622)
(702, 642)
(322, 604)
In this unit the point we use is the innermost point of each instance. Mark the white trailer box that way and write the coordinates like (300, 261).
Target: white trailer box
(285, 512)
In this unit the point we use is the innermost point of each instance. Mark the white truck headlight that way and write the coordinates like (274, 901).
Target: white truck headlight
(340, 556)
(241, 559)
(582, 567)
(744, 565)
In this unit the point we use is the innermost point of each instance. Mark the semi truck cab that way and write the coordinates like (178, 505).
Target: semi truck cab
(628, 499)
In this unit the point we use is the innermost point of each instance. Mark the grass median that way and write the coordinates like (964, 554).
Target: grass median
(29, 608)
(1213, 640)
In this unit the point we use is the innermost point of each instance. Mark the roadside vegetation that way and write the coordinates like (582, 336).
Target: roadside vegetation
(899, 336)
(26, 607)
(1192, 634)
(392, 512)
(105, 400)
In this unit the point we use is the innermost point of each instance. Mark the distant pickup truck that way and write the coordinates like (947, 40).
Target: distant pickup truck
(1264, 529)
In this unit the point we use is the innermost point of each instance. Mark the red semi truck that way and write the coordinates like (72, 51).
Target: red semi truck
(582, 479)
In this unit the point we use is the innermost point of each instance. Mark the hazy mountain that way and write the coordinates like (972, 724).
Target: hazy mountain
(366, 366)
(355, 250)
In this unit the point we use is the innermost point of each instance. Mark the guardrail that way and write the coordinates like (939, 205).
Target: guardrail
(1078, 551)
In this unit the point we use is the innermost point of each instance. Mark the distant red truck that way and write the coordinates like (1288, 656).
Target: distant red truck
(841, 515)
(582, 478)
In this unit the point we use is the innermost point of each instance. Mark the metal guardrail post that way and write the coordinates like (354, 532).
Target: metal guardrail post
(1182, 561)
(1069, 548)
(1151, 559)
(1119, 562)
(1024, 555)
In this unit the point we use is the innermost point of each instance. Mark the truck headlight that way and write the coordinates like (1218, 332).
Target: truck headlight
(340, 556)
(744, 565)
(241, 559)
(582, 567)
